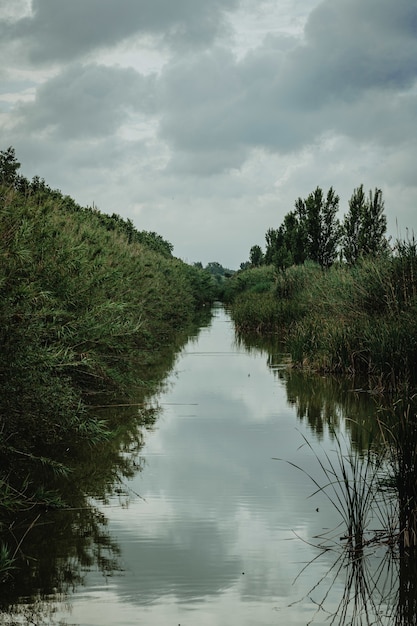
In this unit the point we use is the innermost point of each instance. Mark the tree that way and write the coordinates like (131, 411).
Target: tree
(364, 226)
(272, 244)
(9, 166)
(294, 236)
(286, 245)
(352, 224)
(319, 226)
(331, 232)
(256, 256)
(374, 225)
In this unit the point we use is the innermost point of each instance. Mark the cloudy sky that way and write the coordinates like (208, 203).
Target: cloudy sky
(204, 120)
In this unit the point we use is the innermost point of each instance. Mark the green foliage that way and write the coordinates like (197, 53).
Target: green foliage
(355, 317)
(310, 232)
(256, 256)
(364, 226)
(9, 167)
(321, 226)
(254, 280)
(6, 561)
(287, 245)
(217, 270)
(358, 319)
(313, 232)
(83, 298)
(361, 320)
(256, 310)
(251, 295)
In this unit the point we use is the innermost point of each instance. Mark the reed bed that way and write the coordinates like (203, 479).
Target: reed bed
(86, 302)
(357, 320)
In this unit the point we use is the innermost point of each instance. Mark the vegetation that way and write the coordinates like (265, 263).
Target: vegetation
(312, 231)
(86, 302)
(346, 303)
(344, 300)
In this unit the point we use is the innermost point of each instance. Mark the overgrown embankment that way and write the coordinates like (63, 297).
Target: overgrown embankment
(354, 319)
(85, 301)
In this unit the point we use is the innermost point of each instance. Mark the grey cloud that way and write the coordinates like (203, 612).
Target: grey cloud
(87, 101)
(60, 30)
(350, 75)
(354, 46)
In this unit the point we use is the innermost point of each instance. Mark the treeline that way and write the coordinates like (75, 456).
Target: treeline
(312, 231)
(87, 305)
(344, 300)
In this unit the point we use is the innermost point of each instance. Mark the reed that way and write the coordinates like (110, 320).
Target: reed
(357, 320)
(351, 483)
(399, 430)
(84, 301)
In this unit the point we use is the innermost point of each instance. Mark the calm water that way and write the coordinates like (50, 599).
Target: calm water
(214, 530)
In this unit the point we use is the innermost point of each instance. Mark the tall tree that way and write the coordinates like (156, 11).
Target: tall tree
(352, 226)
(330, 229)
(9, 166)
(319, 223)
(256, 256)
(364, 226)
(286, 245)
(374, 225)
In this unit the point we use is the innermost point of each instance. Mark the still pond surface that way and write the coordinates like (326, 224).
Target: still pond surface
(213, 529)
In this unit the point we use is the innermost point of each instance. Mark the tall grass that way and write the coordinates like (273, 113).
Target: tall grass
(375, 494)
(399, 429)
(82, 305)
(357, 320)
(351, 483)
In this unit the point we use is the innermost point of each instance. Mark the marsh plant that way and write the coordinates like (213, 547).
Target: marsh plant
(89, 306)
(355, 319)
(352, 482)
(399, 431)
(375, 545)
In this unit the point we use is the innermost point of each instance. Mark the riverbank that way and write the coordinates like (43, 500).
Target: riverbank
(88, 307)
(357, 320)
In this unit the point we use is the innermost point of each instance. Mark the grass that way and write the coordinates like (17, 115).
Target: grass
(351, 483)
(357, 320)
(375, 495)
(85, 301)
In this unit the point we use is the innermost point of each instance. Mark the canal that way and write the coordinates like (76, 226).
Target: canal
(221, 522)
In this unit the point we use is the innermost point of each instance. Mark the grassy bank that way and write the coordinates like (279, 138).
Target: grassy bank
(86, 302)
(357, 320)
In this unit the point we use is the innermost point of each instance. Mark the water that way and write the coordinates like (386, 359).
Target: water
(214, 529)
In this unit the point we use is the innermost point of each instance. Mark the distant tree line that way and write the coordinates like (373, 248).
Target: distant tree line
(312, 231)
(10, 177)
(216, 270)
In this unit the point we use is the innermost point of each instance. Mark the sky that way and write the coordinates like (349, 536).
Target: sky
(205, 120)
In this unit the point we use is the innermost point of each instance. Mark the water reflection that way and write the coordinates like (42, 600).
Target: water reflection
(55, 549)
(378, 587)
(325, 403)
(379, 576)
(213, 530)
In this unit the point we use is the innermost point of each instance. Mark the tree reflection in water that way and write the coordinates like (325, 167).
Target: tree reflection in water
(56, 548)
(65, 544)
(376, 568)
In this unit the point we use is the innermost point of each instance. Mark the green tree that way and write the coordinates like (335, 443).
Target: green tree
(319, 226)
(286, 245)
(9, 166)
(364, 226)
(374, 225)
(352, 225)
(331, 232)
(256, 256)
